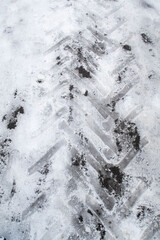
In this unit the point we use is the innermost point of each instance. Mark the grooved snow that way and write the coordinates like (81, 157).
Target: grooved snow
(80, 120)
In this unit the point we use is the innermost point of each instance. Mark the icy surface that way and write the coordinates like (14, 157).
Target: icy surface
(79, 90)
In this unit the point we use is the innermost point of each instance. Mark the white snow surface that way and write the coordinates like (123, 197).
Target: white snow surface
(28, 28)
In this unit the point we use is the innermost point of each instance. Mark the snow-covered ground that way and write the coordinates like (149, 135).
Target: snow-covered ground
(80, 119)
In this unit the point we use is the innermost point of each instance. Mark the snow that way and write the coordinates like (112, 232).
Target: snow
(29, 28)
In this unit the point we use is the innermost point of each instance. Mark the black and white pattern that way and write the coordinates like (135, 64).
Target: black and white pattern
(79, 136)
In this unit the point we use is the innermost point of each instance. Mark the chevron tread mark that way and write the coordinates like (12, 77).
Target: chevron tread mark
(109, 176)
